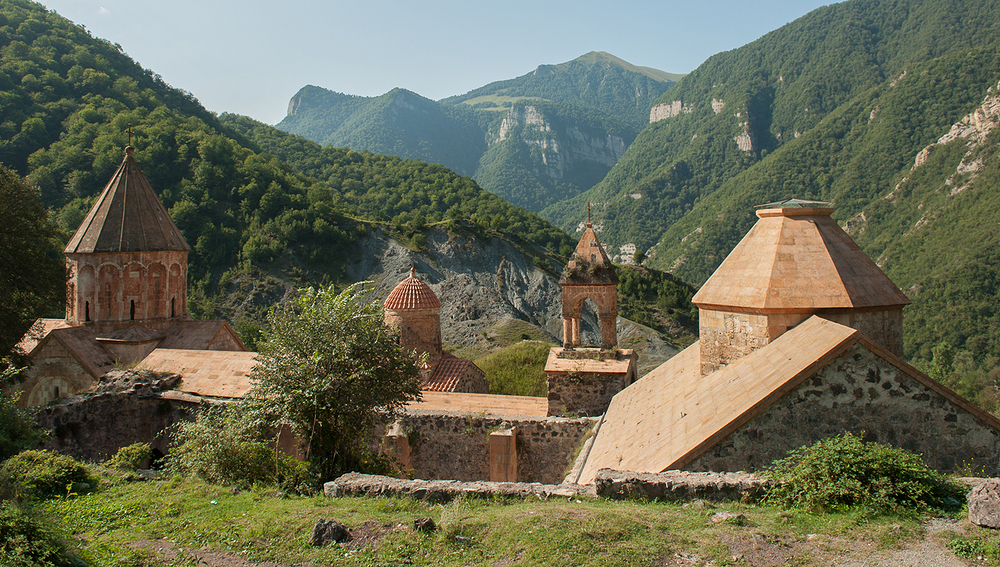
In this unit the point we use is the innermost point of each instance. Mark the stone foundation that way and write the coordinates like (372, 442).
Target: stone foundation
(584, 394)
(680, 486)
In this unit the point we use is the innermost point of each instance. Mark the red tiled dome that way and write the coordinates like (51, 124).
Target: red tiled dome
(412, 293)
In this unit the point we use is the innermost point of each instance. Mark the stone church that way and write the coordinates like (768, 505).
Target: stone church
(126, 295)
(414, 310)
(800, 339)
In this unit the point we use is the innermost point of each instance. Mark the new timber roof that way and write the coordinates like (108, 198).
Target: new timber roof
(798, 260)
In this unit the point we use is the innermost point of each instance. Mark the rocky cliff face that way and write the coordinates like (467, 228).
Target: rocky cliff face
(561, 149)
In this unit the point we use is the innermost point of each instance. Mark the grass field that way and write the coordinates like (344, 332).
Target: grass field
(187, 522)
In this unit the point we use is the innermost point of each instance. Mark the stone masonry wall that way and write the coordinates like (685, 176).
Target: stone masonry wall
(457, 447)
(728, 336)
(864, 394)
(94, 428)
(419, 329)
(584, 394)
(52, 363)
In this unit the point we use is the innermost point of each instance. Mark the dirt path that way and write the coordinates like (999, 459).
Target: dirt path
(928, 552)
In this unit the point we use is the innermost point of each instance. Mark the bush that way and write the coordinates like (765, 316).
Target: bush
(131, 458)
(845, 471)
(42, 474)
(28, 540)
(18, 429)
(224, 445)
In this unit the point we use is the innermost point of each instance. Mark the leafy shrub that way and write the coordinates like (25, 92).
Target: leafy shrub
(42, 474)
(225, 445)
(18, 430)
(131, 457)
(845, 471)
(27, 540)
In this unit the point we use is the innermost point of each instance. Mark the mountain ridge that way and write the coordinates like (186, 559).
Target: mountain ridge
(597, 93)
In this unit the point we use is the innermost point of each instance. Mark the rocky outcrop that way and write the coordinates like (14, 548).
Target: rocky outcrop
(465, 275)
(561, 150)
(668, 110)
(984, 504)
(973, 128)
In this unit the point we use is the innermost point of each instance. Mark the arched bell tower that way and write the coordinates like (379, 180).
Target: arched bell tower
(590, 275)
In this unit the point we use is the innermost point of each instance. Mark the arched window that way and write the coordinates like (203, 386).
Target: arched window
(86, 311)
(131, 312)
(173, 313)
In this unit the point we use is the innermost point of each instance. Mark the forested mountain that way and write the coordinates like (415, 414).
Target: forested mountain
(533, 140)
(398, 123)
(835, 106)
(263, 210)
(597, 79)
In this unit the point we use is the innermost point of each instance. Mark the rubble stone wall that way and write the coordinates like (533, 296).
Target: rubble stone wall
(94, 428)
(584, 394)
(458, 447)
(864, 394)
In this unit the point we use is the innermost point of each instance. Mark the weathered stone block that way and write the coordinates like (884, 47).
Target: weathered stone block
(984, 504)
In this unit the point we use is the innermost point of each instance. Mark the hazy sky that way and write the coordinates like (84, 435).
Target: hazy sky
(251, 56)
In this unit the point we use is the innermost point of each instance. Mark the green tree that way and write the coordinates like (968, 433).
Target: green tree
(32, 276)
(329, 366)
(18, 429)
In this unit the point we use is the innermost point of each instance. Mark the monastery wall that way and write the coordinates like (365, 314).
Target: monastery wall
(93, 429)
(861, 393)
(458, 447)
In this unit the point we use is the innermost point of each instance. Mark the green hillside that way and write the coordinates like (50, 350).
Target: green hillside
(769, 92)
(69, 100)
(837, 106)
(399, 123)
(545, 152)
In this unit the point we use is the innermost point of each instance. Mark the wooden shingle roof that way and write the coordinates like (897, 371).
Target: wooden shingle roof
(798, 260)
(127, 217)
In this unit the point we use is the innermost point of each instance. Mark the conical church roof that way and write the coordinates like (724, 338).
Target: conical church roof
(412, 293)
(798, 260)
(127, 217)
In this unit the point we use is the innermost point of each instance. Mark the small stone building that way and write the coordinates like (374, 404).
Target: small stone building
(800, 340)
(414, 310)
(582, 381)
(126, 295)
